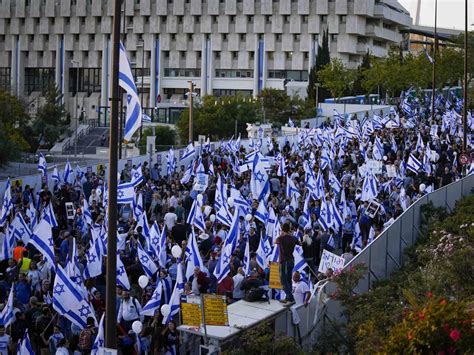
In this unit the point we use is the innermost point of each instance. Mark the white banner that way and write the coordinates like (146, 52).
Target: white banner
(330, 261)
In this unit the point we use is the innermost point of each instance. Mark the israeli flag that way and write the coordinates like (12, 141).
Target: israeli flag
(167, 289)
(146, 118)
(86, 213)
(194, 256)
(430, 59)
(125, 193)
(319, 192)
(42, 239)
(137, 206)
(6, 315)
(239, 201)
(300, 263)
(414, 164)
(369, 188)
(324, 215)
(189, 152)
(170, 162)
(68, 301)
(24, 345)
(155, 301)
(133, 119)
(263, 252)
(55, 176)
(281, 165)
(377, 150)
(94, 260)
(68, 176)
(223, 264)
(80, 175)
(247, 258)
(137, 175)
(99, 341)
(122, 277)
(42, 165)
(8, 243)
(221, 194)
(334, 182)
(7, 206)
(259, 182)
(21, 229)
(161, 252)
(224, 216)
(262, 213)
(176, 295)
(148, 265)
(187, 175)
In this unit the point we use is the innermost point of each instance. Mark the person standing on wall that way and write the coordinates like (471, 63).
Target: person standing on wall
(287, 244)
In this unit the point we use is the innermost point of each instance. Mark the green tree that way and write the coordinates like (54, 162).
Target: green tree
(165, 137)
(322, 58)
(364, 65)
(13, 127)
(336, 78)
(217, 117)
(52, 119)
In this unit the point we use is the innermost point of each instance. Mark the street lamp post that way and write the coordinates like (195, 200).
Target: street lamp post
(76, 62)
(317, 98)
(143, 75)
(464, 116)
(191, 89)
(434, 61)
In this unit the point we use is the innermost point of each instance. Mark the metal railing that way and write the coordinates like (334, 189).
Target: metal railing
(386, 253)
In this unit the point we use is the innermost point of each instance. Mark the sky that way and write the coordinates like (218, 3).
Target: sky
(450, 12)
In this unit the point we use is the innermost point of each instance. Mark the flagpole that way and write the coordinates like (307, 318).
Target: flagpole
(111, 265)
(464, 116)
(434, 61)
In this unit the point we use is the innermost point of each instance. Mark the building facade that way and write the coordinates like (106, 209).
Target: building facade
(225, 47)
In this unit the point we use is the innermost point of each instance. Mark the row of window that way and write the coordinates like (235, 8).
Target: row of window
(5, 78)
(38, 79)
(298, 75)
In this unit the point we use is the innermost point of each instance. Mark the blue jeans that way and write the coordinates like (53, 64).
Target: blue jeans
(286, 273)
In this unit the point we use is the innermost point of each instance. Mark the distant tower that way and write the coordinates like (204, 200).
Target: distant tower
(417, 13)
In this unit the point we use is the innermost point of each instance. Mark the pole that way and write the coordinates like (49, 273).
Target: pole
(464, 116)
(434, 63)
(122, 38)
(75, 108)
(317, 99)
(111, 264)
(143, 75)
(191, 87)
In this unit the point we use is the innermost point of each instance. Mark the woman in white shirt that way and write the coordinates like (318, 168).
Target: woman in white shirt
(34, 277)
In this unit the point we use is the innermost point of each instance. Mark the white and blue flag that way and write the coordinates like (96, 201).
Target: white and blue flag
(68, 176)
(99, 341)
(6, 315)
(176, 295)
(42, 239)
(7, 205)
(70, 302)
(42, 165)
(133, 119)
(148, 265)
(125, 193)
(122, 277)
(189, 152)
(155, 301)
(413, 164)
(24, 345)
(193, 255)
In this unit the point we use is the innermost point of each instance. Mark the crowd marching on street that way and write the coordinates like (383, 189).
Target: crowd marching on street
(231, 211)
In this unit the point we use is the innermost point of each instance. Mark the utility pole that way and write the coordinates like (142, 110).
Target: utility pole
(466, 52)
(317, 98)
(111, 265)
(191, 89)
(122, 38)
(76, 62)
(435, 45)
(142, 83)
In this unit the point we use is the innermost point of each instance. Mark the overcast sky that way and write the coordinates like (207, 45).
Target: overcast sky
(450, 12)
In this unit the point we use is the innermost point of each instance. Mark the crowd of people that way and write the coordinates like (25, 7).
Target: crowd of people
(334, 188)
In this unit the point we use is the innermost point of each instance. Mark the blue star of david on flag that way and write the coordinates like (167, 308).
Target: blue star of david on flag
(59, 289)
(84, 311)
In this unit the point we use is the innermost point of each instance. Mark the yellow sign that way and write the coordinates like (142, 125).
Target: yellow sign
(17, 183)
(100, 169)
(215, 310)
(191, 311)
(275, 281)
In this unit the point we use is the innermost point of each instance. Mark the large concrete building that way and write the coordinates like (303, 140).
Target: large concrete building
(226, 47)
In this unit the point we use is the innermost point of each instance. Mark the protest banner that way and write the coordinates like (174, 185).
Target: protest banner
(330, 261)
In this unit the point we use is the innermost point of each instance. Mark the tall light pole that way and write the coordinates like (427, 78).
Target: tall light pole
(143, 75)
(434, 61)
(111, 264)
(76, 62)
(191, 90)
(317, 98)
(466, 52)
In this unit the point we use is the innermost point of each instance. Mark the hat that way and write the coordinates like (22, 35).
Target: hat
(203, 236)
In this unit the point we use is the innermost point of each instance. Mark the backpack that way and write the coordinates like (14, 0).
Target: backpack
(85, 339)
(256, 294)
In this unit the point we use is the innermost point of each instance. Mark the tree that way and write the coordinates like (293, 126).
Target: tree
(336, 78)
(364, 65)
(165, 137)
(52, 119)
(217, 117)
(13, 127)
(322, 58)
